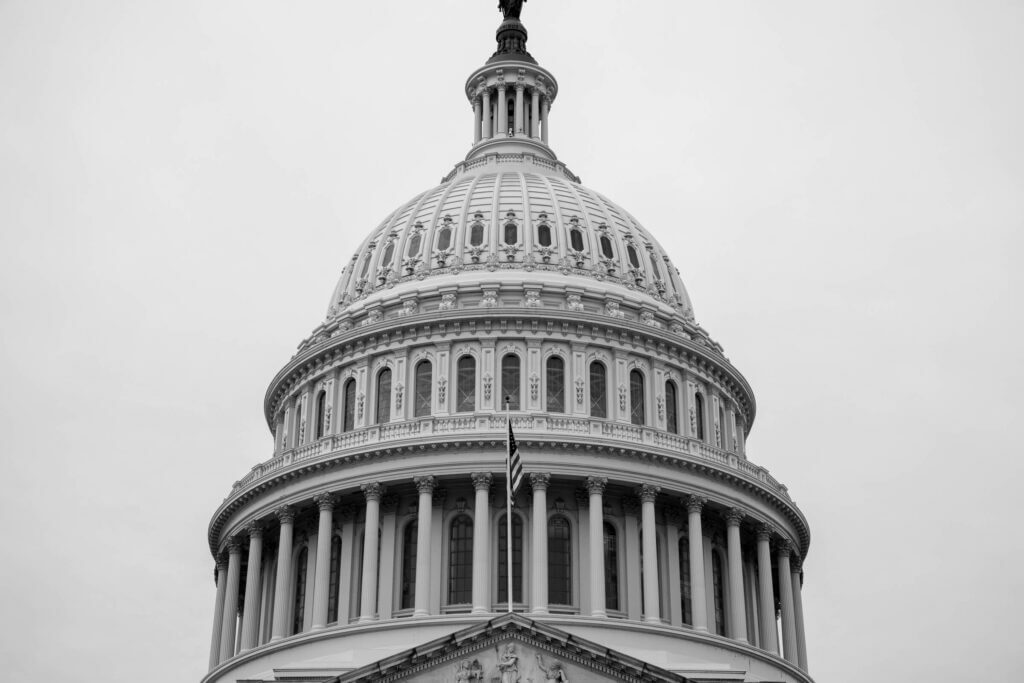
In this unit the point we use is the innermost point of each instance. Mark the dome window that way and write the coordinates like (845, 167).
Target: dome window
(366, 265)
(606, 247)
(671, 414)
(598, 390)
(555, 385)
(511, 233)
(576, 239)
(444, 238)
(414, 246)
(634, 258)
(476, 234)
(654, 268)
(510, 370)
(388, 253)
(637, 411)
(544, 235)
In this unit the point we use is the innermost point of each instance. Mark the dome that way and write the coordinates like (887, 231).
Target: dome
(517, 217)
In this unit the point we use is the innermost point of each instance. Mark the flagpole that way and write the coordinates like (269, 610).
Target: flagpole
(508, 502)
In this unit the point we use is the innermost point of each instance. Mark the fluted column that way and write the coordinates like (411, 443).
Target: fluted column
(230, 618)
(520, 111)
(218, 612)
(737, 602)
(652, 600)
(253, 578)
(482, 543)
(545, 108)
(486, 115)
(789, 646)
(698, 590)
(424, 516)
(769, 631)
(595, 487)
(368, 604)
(477, 119)
(286, 515)
(321, 579)
(798, 607)
(539, 481)
(502, 110)
(535, 114)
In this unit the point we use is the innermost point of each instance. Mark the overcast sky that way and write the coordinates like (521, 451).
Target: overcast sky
(839, 183)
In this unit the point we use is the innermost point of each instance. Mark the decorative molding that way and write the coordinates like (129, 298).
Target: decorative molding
(596, 485)
(482, 480)
(325, 502)
(425, 484)
(373, 491)
(648, 492)
(734, 516)
(695, 503)
(285, 514)
(539, 481)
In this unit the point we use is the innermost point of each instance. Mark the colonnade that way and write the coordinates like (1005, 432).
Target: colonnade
(490, 112)
(226, 642)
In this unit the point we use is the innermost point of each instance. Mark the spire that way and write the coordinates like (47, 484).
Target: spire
(511, 35)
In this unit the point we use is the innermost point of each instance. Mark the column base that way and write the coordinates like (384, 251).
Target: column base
(366, 620)
(653, 620)
(599, 613)
(421, 613)
(540, 611)
(480, 610)
(318, 627)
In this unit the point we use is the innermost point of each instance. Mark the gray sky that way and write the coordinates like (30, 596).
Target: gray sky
(839, 183)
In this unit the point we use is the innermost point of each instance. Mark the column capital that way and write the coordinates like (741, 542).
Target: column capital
(695, 503)
(222, 564)
(325, 501)
(648, 492)
(596, 485)
(734, 516)
(796, 564)
(539, 480)
(285, 514)
(481, 480)
(425, 484)
(520, 86)
(784, 547)
(765, 532)
(254, 529)
(234, 545)
(373, 491)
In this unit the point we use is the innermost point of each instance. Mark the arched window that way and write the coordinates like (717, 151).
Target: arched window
(636, 397)
(576, 239)
(460, 561)
(517, 559)
(698, 400)
(424, 384)
(332, 586)
(466, 385)
(671, 414)
(476, 234)
(366, 265)
(544, 235)
(414, 245)
(510, 380)
(559, 561)
(299, 436)
(321, 414)
(718, 591)
(511, 233)
(389, 251)
(634, 258)
(409, 565)
(685, 591)
(299, 602)
(611, 567)
(384, 396)
(606, 247)
(444, 238)
(598, 390)
(555, 385)
(349, 419)
(720, 432)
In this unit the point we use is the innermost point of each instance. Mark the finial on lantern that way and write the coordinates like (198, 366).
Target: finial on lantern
(511, 8)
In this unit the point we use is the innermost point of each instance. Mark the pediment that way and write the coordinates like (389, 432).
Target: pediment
(510, 649)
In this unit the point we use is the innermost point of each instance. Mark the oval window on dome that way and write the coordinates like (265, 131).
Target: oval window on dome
(606, 247)
(414, 245)
(511, 233)
(444, 238)
(544, 235)
(576, 239)
(634, 259)
(388, 253)
(476, 235)
(654, 267)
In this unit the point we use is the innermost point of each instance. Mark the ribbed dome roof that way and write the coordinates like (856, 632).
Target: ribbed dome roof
(510, 212)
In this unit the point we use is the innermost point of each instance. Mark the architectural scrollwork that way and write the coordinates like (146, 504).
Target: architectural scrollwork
(695, 503)
(648, 492)
(596, 484)
(580, 387)
(425, 484)
(373, 490)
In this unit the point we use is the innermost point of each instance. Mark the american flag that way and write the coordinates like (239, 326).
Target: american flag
(515, 463)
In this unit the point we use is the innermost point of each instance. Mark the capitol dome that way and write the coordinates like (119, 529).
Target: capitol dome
(388, 536)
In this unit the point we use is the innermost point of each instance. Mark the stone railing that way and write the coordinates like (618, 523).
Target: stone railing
(527, 426)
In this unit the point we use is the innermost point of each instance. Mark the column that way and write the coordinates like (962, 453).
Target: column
(798, 607)
(251, 609)
(595, 487)
(218, 612)
(321, 590)
(502, 110)
(368, 603)
(737, 603)
(769, 632)
(545, 107)
(230, 618)
(535, 114)
(477, 119)
(486, 115)
(286, 515)
(789, 647)
(424, 516)
(652, 600)
(481, 543)
(520, 112)
(698, 595)
(539, 581)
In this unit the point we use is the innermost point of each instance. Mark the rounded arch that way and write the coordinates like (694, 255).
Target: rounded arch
(382, 391)
(637, 397)
(597, 376)
(465, 383)
(554, 383)
(511, 379)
